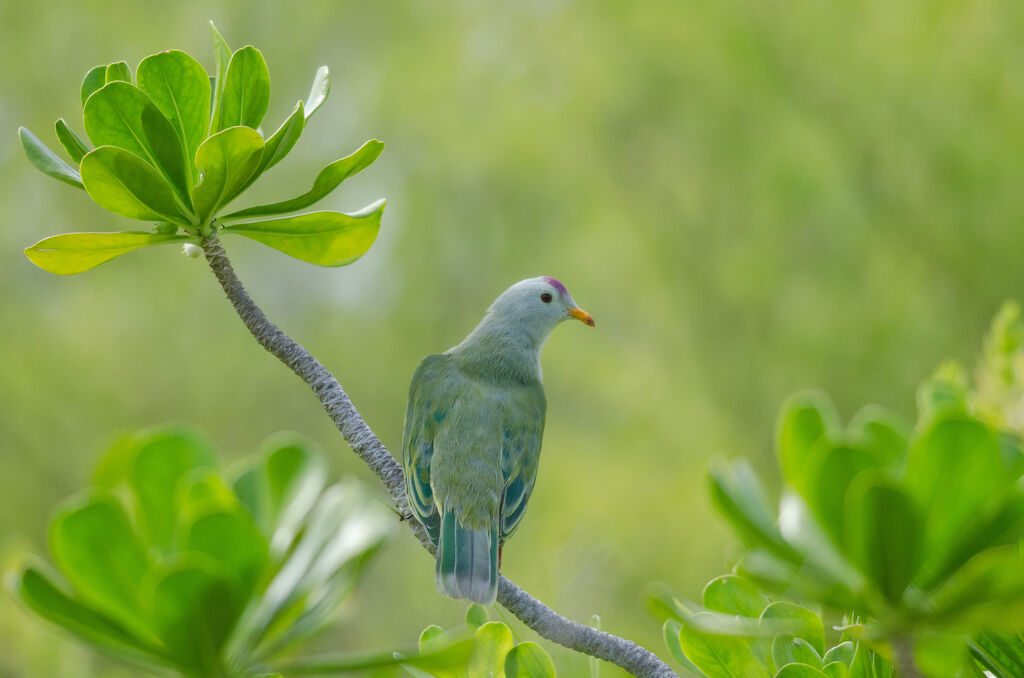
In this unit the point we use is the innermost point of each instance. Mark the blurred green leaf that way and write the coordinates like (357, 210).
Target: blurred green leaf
(75, 147)
(321, 238)
(944, 391)
(117, 72)
(803, 419)
(987, 592)
(432, 639)
(670, 632)
(295, 476)
(121, 115)
(231, 538)
(720, 656)
(123, 183)
(476, 616)
(884, 434)
(246, 92)
(528, 660)
(732, 594)
(46, 161)
(318, 92)
(493, 643)
(226, 160)
(799, 621)
(329, 178)
(828, 471)
(1003, 655)
(94, 79)
(883, 532)
(738, 495)
(180, 88)
(77, 252)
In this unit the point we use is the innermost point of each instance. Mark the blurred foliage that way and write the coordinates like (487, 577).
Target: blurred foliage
(169, 564)
(751, 199)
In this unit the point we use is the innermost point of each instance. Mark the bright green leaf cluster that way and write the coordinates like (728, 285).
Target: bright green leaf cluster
(168, 563)
(175, 146)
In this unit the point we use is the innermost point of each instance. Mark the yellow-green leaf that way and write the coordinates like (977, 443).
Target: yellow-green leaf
(76, 252)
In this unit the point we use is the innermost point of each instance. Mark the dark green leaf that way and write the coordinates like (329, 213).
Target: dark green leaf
(319, 91)
(883, 531)
(732, 594)
(246, 92)
(799, 621)
(329, 178)
(528, 660)
(123, 183)
(180, 88)
(121, 115)
(94, 79)
(75, 147)
(46, 161)
(226, 160)
(76, 252)
(95, 547)
(322, 238)
(118, 72)
(804, 418)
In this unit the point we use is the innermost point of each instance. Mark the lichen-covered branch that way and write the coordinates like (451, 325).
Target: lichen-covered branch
(532, 612)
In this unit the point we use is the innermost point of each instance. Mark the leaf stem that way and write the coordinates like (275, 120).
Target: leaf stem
(532, 612)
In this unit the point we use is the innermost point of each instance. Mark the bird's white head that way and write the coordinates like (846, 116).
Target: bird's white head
(539, 303)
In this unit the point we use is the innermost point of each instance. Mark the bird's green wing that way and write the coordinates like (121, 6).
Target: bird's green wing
(431, 395)
(520, 454)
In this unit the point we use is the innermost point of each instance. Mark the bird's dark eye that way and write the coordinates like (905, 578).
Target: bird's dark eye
(546, 297)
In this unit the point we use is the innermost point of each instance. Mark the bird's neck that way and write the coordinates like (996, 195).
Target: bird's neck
(503, 350)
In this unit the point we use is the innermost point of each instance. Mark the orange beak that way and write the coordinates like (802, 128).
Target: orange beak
(582, 316)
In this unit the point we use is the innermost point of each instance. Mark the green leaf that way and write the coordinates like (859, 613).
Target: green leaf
(162, 458)
(883, 533)
(836, 670)
(232, 539)
(1003, 655)
(732, 594)
(123, 183)
(180, 88)
(222, 55)
(322, 238)
(799, 621)
(121, 115)
(193, 609)
(77, 252)
(528, 660)
(318, 92)
(94, 79)
(883, 433)
(476, 616)
(804, 418)
(843, 652)
(227, 160)
(720, 656)
(75, 147)
(786, 650)
(246, 92)
(95, 547)
(432, 639)
(46, 161)
(739, 496)
(118, 72)
(988, 591)
(828, 471)
(295, 474)
(799, 671)
(329, 178)
(670, 632)
(42, 593)
(493, 642)
(282, 141)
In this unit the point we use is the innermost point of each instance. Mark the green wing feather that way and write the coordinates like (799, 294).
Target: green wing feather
(520, 455)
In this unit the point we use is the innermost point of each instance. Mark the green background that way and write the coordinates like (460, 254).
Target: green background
(750, 198)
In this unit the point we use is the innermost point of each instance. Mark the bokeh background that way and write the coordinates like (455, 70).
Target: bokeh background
(750, 197)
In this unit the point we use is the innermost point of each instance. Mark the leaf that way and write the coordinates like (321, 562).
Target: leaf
(118, 72)
(670, 632)
(828, 471)
(227, 160)
(322, 238)
(121, 115)
(786, 650)
(799, 671)
(222, 56)
(162, 458)
(528, 660)
(46, 597)
(232, 539)
(843, 652)
(180, 88)
(720, 656)
(732, 594)
(329, 178)
(77, 252)
(988, 591)
(46, 161)
(836, 670)
(282, 141)
(318, 92)
(883, 534)
(800, 622)
(123, 183)
(476, 616)
(1003, 655)
(75, 147)
(804, 418)
(493, 642)
(94, 79)
(432, 639)
(883, 433)
(295, 474)
(95, 547)
(738, 495)
(246, 91)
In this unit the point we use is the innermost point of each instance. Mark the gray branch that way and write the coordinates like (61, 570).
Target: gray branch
(532, 612)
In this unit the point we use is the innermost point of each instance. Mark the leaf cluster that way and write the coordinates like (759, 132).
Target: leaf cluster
(172, 145)
(169, 563)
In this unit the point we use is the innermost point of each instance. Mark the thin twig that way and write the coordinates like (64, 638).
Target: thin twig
(535, 614)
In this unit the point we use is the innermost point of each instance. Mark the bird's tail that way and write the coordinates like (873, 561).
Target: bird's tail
(467, 560)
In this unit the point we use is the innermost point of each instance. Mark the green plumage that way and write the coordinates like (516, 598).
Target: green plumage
(473, 432)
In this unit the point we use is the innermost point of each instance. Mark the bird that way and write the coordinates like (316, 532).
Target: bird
(472, 437)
